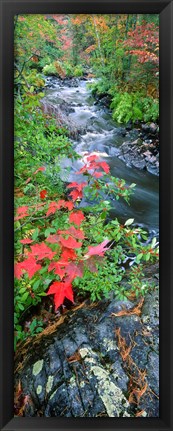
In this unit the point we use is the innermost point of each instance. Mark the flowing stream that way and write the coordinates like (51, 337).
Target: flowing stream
(102, 135)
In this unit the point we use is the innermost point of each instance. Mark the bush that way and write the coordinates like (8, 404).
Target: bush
(133, 106)
(61, 248)
(78, 71)
(50, 69)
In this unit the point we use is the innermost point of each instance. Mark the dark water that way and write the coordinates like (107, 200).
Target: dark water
(103, 135)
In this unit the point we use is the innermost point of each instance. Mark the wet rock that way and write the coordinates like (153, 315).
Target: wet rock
(76, 367)
(129, 125)
(65, 107)
(61, 114)
(138, 163)
(137, 154)
(153, 128)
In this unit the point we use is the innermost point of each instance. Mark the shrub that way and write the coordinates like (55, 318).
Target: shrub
(133, 106)
(78, 71)
(50, 69)
(66, 250)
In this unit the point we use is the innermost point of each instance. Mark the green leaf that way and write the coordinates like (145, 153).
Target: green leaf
(36, 285)
(20, 306)
(147, 256)
(154, 240)
(22, 290)
(129, 222)
(139, 256)
(24, 296)
(35, 234)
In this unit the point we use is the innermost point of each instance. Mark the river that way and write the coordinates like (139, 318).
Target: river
(102, 135)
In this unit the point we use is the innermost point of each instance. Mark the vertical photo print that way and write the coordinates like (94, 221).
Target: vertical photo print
(86, 224)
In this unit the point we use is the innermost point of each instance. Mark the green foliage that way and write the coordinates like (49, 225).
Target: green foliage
(50, 69)
(100, 86)
(133, 106)
(78, 71)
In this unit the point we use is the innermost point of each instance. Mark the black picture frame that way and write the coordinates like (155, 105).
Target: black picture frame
(165, 10)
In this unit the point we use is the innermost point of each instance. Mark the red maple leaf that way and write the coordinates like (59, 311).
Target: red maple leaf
(77, 217)
(104, 166)
(42, 251)
(57, 269)
(22, 212)
(76, 194)
(54, 206)
(29, 265)
(53, 239)
(97, 174)
(82, 170)
(78, 186)
(68, 254)
(76, 233)
(73, 271)
(70, 242)
(26, 241)
(61, 290)
(92, 157)
(65, 204)
(43, 194)
(98, 249)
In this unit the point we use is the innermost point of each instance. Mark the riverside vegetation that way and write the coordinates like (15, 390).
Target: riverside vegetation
(60, 249)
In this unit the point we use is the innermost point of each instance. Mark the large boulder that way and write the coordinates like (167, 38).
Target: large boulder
(99, 359)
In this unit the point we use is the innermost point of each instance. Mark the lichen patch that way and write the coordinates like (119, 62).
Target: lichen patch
(37, 367)
(49, 384)
(111, 395)
(39, 389)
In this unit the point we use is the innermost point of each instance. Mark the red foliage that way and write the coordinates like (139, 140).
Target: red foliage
(68, 266)
(70, 242)
(42, 251)
(98, 249)
(29, 265)
(26, 241)
(22, 212)
(77, 233)
(77, 218)
(43, 194)
(54, 206)
(144, 41)
(61, 290)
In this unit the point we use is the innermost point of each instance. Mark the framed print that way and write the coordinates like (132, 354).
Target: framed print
(86, 298)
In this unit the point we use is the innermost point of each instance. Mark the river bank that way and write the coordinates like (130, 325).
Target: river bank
(141, 153)
(92, 129)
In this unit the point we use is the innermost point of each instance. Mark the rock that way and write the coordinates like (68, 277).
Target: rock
(135, 154)
(145, 128)
(61, 113)
(153, 128)
(75, 368)
(129, 125)
(138, 163)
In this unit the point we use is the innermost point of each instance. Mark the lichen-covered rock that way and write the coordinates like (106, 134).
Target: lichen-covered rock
(94, 361)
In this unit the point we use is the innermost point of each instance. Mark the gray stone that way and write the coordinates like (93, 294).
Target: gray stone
(78, 367)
